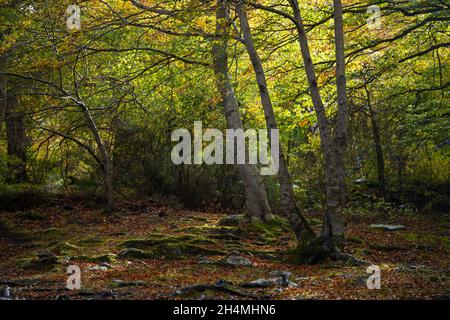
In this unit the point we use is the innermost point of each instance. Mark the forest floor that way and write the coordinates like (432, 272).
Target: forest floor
(150, 251)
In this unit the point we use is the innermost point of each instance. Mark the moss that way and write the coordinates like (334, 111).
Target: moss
(159, 239)
(46, 264)
(429, 239)
(310, 254)
(109, 258)
(133, 253)
(355, 240)
(269, 232)
(233, 220)
(201, 219)
(170, 247)
(64, 248)
(90, 241)
(315, 222)
(313, 250)
(203, 241)
(48, 234)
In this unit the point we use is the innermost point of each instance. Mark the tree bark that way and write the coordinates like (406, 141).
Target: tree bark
(256, 199)
(333, 149)
(377, 144)
(288, 203)
(16, 136)
(106, 160)
(334, 226)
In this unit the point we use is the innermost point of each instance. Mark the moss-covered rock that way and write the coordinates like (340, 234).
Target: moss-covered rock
(232, 220)
(133, 253)
(90, 242)
(48, 234)
(106, 258)
(64, 248)
(44, 261)
(170, 248)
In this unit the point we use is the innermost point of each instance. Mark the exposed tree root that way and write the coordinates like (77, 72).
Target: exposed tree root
(321, 249)
(220, 286)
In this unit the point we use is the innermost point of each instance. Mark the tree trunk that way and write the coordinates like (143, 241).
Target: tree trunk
(334, 229)
(334, 226)
(256, 199)
(17, 146)
(377, 144)
(288, 203)
(106, 160)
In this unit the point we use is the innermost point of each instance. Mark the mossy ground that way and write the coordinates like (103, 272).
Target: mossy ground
(414, 261)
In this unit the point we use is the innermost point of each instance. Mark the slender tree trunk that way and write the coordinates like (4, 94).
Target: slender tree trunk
(334, 228)
(377, 144)
(288, 203)
(16, 136)
(106, 160)
(256, 198)
(3, 84)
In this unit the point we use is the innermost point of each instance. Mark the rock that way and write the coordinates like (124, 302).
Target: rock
(64, 247)
(388, 227)
(284, 275)
(106, 265)
(45, 260)
(232, 220)
(135, 253)
(262, 283)
(105, 294)
(106, 258)
(45, 254)
(236, 261)
(98, 268)
(268, 283)
(206, 261)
